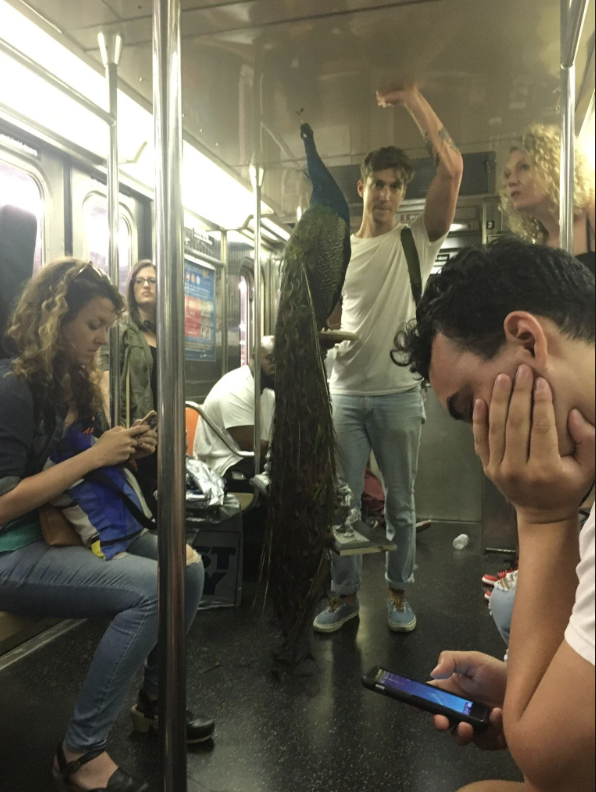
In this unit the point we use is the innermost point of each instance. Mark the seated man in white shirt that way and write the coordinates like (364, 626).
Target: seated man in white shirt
(231, 407)
(506, 336)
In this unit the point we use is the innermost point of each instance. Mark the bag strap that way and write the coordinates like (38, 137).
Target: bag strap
(413, 259)
(106, 481)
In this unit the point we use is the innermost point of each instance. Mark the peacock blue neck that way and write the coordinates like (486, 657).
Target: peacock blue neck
(325, 189)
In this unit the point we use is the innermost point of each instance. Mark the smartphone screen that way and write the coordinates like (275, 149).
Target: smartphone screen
(427, 693)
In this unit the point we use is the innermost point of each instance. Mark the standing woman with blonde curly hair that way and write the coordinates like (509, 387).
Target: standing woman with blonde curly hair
(49, 387)
(531, 193)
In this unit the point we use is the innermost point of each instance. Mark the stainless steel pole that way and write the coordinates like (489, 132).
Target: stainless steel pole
(169, 233)
(257, 174)
(573, 17)
(110, 46)
(567, 203)
(577, 10)
(225, 298)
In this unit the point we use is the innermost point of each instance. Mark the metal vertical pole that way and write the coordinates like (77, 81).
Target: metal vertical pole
(169, 228)
(257, 174)
(567, 207)
(573, 17)
(110, 46)
(225, 318)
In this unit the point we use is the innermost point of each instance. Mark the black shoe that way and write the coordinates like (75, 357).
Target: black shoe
(119, 782)
(145, 717)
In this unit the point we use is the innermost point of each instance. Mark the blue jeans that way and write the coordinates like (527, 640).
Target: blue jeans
(502, 604)
(390, 426)
(72, 583)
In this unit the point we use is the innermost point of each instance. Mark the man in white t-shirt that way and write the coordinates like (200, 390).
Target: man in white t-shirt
(506, 336)
(231, 407)
(377, 406)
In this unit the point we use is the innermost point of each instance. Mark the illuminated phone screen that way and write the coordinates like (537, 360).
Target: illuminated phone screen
(434, 695)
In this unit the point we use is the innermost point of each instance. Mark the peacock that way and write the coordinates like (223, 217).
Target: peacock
(303, 492)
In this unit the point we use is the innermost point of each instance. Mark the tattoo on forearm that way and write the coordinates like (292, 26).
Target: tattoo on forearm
(446, 137)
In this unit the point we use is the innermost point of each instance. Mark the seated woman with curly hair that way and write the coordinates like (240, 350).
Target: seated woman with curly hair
(49, 387)
(531, 193)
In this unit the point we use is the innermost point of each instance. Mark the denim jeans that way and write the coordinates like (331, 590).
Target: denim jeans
(502, 604)
(72, 583)
(390, 426)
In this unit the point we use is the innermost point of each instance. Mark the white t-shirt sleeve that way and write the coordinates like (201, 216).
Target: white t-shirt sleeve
(427, 250)
(237, 409)
(580, 634)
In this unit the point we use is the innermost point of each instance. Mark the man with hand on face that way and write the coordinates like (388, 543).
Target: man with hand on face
(231, 407)
(506, 337)
(376, 406)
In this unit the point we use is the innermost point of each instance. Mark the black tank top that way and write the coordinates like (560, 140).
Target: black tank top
(588, 259)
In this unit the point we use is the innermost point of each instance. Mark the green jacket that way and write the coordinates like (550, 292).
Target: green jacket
(136, 365)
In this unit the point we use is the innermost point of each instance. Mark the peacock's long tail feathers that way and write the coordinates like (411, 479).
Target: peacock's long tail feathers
(303, 473)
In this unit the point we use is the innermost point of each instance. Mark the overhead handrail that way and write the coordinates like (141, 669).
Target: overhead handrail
(51, 79)
(225, 440)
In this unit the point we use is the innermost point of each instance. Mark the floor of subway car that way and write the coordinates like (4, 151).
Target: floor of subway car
(320, 734)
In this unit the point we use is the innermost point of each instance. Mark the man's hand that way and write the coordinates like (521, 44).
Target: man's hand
(518, 444)
(478, 677)
(401, 97)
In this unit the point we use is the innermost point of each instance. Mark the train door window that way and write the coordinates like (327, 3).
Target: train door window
(97, 237)
(21, 189)
(246, 297)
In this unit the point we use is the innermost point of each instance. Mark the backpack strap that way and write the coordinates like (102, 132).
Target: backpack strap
(413, 259)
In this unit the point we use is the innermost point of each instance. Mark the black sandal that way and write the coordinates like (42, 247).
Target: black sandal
(119, 782)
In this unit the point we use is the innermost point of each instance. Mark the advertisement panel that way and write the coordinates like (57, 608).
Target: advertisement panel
(199, 300)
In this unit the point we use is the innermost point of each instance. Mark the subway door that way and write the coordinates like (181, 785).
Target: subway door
(90, 230)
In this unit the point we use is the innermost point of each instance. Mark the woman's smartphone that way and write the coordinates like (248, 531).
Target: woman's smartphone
(428, 698)
(150, 420)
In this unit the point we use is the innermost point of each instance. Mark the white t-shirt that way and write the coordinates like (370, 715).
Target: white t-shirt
(580, 634)
(231, 403)
(377, 302)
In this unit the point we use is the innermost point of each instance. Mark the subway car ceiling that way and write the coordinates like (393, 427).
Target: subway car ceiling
(252, 69)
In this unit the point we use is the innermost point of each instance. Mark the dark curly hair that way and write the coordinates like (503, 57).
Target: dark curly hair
(476, 291)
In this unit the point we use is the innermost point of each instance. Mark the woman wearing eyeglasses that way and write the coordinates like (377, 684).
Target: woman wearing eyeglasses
(138, 363)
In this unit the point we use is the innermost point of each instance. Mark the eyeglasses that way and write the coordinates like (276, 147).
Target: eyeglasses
(148, 281)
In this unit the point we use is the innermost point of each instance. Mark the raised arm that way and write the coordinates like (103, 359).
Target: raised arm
(441, 200)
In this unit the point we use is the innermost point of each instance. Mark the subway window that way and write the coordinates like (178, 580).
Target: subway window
(21, 189)
(97, 237)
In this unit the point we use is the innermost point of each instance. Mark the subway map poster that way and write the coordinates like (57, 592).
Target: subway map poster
(199, 299)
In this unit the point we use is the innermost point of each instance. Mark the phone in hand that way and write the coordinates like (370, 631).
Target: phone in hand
(150, 420)
(428, 698)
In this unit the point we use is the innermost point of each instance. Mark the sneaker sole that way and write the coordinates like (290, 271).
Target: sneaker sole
(488, 582)
(333, 628)
(403, 628)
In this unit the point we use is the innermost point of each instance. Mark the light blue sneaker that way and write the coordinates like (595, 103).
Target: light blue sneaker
(338, 613)
(400, 616)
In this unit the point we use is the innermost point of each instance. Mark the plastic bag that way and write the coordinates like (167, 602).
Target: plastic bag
(204, 488)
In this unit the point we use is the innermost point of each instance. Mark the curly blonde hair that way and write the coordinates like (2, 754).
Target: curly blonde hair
(51, 300)
(543, 145)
